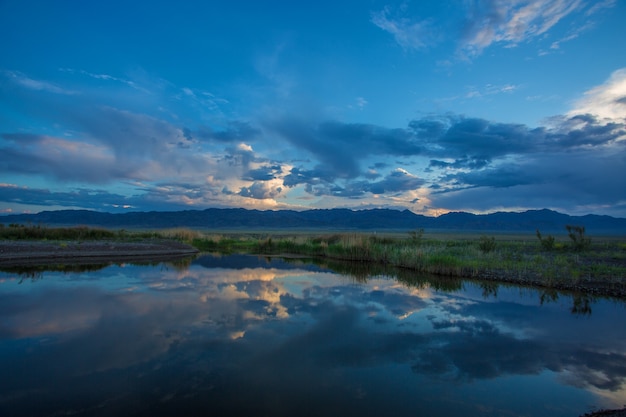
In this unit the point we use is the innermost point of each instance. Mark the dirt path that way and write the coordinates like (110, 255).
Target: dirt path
(30, 253)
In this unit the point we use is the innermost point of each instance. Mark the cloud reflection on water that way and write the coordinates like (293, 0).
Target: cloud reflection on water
(266, 330)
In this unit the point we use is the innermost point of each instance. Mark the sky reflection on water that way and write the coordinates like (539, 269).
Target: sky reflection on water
(240, 335)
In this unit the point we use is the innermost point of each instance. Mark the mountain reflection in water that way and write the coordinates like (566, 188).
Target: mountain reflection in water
(240, 335)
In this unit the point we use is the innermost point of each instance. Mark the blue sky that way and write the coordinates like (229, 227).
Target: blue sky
(432, 106)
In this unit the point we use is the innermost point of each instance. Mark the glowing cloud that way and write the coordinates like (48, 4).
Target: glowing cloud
(606, 101)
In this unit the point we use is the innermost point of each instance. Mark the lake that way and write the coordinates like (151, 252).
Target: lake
(244, 335)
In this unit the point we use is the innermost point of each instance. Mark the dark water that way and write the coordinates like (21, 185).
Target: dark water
(246, 336)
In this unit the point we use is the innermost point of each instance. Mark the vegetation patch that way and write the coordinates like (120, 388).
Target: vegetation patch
(553, 263)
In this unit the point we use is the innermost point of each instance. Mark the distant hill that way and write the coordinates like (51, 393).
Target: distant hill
(339, 219)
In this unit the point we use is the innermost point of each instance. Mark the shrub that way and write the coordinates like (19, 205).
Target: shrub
(486, 244)
(547, 243)
(416, 236)
(577, 235)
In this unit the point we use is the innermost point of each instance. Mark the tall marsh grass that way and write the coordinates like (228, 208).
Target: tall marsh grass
(450, 257)
(462, 257)
(21, 232)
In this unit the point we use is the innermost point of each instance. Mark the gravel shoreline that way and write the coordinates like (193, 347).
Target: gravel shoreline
(34, 253)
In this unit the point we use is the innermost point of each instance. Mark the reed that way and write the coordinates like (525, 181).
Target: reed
(463, 256)
(22, 232)
(450, 257)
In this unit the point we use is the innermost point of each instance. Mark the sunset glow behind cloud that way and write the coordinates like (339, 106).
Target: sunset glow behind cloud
(434, 107)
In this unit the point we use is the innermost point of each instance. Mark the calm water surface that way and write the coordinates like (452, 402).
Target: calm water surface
(248, 336)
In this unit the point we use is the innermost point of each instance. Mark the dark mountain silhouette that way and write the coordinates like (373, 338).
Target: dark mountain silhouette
(339, 219)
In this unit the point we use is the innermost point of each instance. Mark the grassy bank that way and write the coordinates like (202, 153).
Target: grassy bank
(84, 233)
(597, 265)
(445, 257)
(572, 261)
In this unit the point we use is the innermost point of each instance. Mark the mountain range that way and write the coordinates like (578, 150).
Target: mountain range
(324, 219)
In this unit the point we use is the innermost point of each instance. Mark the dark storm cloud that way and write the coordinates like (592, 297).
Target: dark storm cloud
(264, 173)
(319, 183)
(131, 135)
(106, 144)
(304, 176)
(60, 159)
(353, 189)
(235, 131)
(187, 140)
(97, 142)
(471, 138)
(571, 163)
(561, 180)
(24, 138)
(471, 163)
(506, 176)
(371, 175)
(369, 139)
(173, 195)
(161, 196)
(239, 156)
(566, 161)
(260, 190)
(397, 181)
(473, 141)
(340, 146)
(86, 198)
(333, 156)
(583, 130)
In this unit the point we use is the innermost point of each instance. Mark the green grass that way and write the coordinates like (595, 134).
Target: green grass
(522, 257)
(38, 232)
(463, 257)
(21, 232)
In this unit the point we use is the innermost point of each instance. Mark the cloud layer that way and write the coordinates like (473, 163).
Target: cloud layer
(446, 161)
(486, 23)
(427, 106)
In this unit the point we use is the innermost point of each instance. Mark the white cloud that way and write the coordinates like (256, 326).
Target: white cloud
(474, 92)
(513, 21)
(244, 147)
(607, 101)
(38, 85)
(490, 90)
(597, 6)
(361, 102)
(410, 35)
(570, 36)
(105, 77)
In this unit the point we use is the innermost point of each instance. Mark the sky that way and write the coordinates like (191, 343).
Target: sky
(431, 106)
